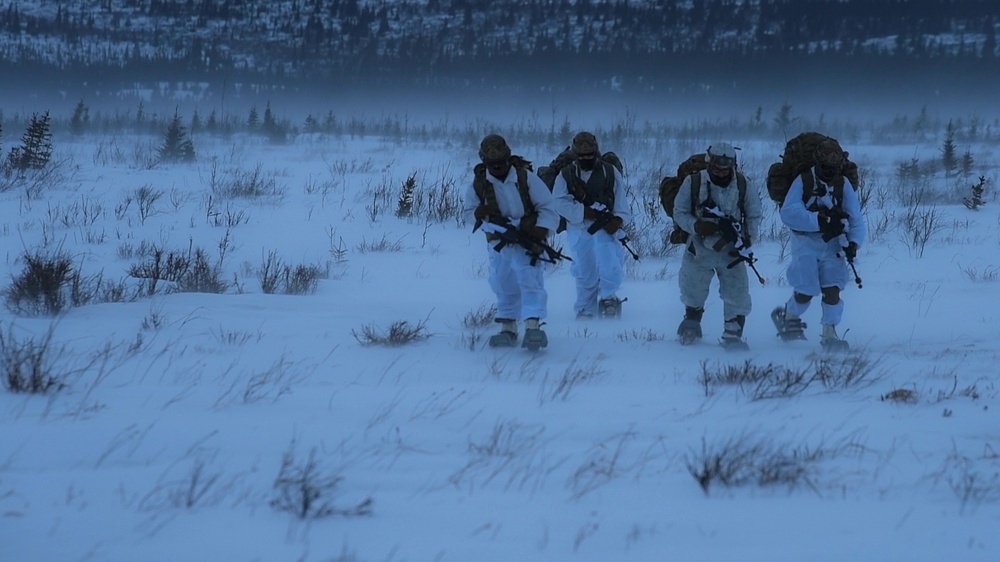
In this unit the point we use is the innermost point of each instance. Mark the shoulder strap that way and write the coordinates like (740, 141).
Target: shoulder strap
(695, 191)
(807, 184)
(741, 187)
(483, 187)
(487, 193)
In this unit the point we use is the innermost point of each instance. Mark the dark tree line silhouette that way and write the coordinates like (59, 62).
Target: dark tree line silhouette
(448, 42)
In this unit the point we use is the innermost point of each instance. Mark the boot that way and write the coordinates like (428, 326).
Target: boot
(732, 334)
(507, 337)
(831, 341)
(690, 328)
(789, 327)
(534, 337)
(610, 307)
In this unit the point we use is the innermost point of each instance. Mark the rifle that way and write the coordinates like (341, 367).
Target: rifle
(850, 254)
(731, 231)
(539, 250)
(604, 216)
(833, 225)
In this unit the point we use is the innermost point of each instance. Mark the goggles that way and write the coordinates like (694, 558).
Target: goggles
(722, 161)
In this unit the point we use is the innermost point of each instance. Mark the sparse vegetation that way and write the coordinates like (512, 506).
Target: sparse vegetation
(190, 429)
(400, 332)
(306, 489)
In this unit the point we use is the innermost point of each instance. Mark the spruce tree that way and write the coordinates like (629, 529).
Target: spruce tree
(36, 145)
(177, 147)
(967, 162)
(253, 120)
(784, 120)
(948, 158)
(80, 119)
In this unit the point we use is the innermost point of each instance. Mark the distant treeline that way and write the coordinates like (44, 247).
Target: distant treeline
(558, 44)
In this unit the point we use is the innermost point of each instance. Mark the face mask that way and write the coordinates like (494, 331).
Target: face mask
(587, 164)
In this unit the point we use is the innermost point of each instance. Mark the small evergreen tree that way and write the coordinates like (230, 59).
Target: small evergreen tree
(404, 205)
(757, 121)
(36, 146)
(784, 120)
(140, 116)
(967, 162)
(253, 120)
(274, 130)
(213, 124)
(948, 157)
(195, 122)
(80, 119)
(177, 147)
(311, 124)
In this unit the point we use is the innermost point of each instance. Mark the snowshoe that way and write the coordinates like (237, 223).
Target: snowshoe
(832, 342)
(508, 333)
(611, 307)
(734, 343)
(689, 331)
(835, 345)
(503, 339)
(732, 335)
(789, 329)
(534, 336)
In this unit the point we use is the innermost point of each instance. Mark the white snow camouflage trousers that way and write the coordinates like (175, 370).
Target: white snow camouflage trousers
(597, 267)
(695, 279)
(816, 264)
(518, 285)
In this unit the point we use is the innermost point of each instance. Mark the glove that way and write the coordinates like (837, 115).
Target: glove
(830, 223)
(822, 220)
(481, 213)
(589, 213)
(705, 228)
(851, 250)
(539, 232)
(613, 225)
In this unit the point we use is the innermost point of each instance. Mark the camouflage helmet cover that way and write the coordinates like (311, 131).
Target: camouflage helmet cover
(493, 148)
(829, 154)
(584, 142)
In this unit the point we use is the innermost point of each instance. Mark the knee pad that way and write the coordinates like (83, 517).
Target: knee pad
(802, 299)
(831, 295)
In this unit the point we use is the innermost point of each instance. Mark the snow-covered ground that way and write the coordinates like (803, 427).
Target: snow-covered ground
(255, 426)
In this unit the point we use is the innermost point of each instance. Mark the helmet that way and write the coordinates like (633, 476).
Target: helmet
(584, 143)
(829, 158)
(721, 155)
(493, 148)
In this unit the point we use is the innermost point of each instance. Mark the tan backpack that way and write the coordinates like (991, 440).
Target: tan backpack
(798, 157)
(670, 185)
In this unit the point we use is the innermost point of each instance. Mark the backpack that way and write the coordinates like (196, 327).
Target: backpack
(565, 158)
(796, 159)
(670, 185)
(487, 195)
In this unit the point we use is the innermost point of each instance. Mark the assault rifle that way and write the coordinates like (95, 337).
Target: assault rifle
(831, 223)
(851, 252)
(604, 216)
(731, 231)
(507, 233)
